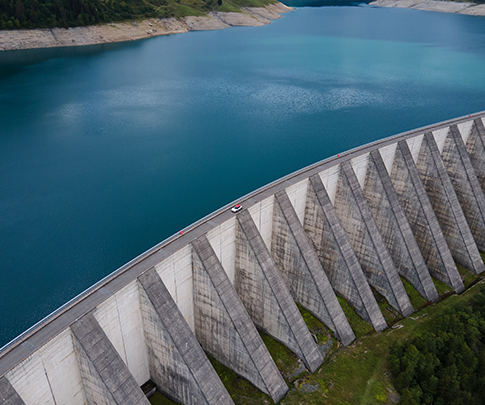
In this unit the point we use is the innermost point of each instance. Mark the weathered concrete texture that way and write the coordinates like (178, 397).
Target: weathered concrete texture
(268, 301)
(366, 241)
(95, 389)
(394, 227)
(105, 377)
(177, 363)
(335, 253)
(50, 375)
(465, 184)
(8, 395)
(302, 271)
(475, 146)
(422, 219)
(224, 328)
(446, 206)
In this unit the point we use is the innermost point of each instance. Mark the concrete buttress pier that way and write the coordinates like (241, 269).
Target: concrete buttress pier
(236, 342)
(407, 206)
(335, 253)
(465, 183)
(367, 243)
(106, 378)
(475, 147)
(268, 301)
(446, 206)
(8, 395)
(394, 227)
(302, 270)
(178, 365)
(422, 219)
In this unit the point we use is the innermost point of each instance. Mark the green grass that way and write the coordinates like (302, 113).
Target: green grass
(416, 300)
(249, 3)
(390, 314)
(358, 374)
(286, 361)
(354, 375)
(441, 287)
(159, 399)
(315, 326)
(228, 8)
(467, 276)
(241, 391)
(358, 325)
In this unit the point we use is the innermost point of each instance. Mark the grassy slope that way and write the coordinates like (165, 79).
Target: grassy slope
(357, 374)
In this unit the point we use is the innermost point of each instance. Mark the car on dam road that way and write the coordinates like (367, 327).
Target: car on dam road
(236, 208)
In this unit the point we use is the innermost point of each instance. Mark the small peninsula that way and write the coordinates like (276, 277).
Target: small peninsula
(133, 30)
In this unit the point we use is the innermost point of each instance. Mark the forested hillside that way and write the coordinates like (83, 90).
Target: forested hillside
(445, 366)
(16, 14)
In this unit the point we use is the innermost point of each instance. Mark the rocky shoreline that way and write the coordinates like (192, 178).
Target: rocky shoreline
(120, 32)
(435, 5)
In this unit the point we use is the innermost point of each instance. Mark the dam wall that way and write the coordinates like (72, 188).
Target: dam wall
(353, 227)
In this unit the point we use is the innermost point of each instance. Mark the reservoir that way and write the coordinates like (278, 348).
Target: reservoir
(106, 150)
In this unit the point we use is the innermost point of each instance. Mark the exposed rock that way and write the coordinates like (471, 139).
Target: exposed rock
(119, 32)
(434, 5)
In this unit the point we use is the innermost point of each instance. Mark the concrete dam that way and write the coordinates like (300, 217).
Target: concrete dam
(406, 207)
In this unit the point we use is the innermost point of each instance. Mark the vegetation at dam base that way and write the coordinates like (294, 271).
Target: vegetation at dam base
(435, 356)
(17, 14)
(447, 364)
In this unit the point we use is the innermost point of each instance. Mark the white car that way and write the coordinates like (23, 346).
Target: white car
(236, 208)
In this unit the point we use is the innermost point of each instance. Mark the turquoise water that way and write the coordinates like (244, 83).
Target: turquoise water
(107, 150)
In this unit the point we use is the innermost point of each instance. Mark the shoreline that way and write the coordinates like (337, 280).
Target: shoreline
(130, 31)
(441, 6)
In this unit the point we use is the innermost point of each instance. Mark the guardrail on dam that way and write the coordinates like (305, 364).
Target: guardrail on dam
(408, 206)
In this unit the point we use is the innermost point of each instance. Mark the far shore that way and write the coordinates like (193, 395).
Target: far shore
(435, 5)
(129, 31)
(250, 17)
